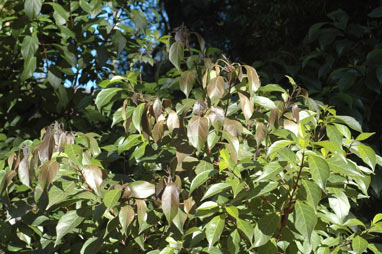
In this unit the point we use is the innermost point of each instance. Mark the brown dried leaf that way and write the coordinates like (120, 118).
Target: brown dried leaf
(46, 147)
(157, 108)
(158, 131)
(253, 79)
(200, 107)
(24, 168)
(9, 176)
(216, 115)
(296, 112)
(188, 204)
(172, 121)
(93, 177)
(197, 131)
(274, 118)
(233, 127)
(141, 210)
(216, 88)
(261, 133)
(126, 216)
(246, 106)
(170, 201)
(187, 81)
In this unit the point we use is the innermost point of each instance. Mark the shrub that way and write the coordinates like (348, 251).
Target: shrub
(234, 167)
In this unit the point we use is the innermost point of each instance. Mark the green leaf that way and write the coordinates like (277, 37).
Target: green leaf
(104, 97)
(141, 189)
(111, 198)
(197, 131)
(180, 219)
(246, 227)
(377, 218)
(313, 193)
(265, 228)
(201, 178)
(29, 68)
(29, 46)
(305, 219)
(91, 246)
(170, 201)
(359, 244)
(376, 13)
(233, 211)
(233, 242)
(176, 54)
(187, 81)
(215, 189)
(60, 14)
(331, 147)
(131, 141)
(270, 170)
(334, 134)
(66, 224)
(368, 155)
(319, 170)
(137, 116)
(32, 7)
(214, 229)
(339, 202)
(278, 145)
(365, 135)
(74, 153)
(350, 121)
(264, 102)
(56, 195)
(139, 19)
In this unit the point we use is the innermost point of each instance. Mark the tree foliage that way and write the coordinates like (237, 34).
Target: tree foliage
(229, 166)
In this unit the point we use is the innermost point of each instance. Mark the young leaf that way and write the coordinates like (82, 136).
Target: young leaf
(215, 189)
(172, 121)
(359, 244)
(176, 54)
(187, 81)
(170, 201)
(364, 136)
(197, 131)
(126, 216)
(66, 224)
(246, 106)
(305, 219)
(214, 229)
(111, 198)
(320, 170)
(215, 88)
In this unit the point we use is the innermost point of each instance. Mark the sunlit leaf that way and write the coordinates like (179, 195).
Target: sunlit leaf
(214, 229)
(305, 219)
(141, 189)
(111, 198)
(359, 244)
(176, 53)
(320, 171)
(253, 79)
(172, 121)
(264, 102)
(126, 216)
(246, 106)
(197, 131)
(187, 81)
(215, 88)
(66, 224)
(93, 177)
(278, 145)
(170, 201)
(104, 97)
(215, 189)
(367, 154)
(137, 116)
(201, 178)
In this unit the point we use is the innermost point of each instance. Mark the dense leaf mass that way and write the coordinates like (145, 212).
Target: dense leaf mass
(233, 165)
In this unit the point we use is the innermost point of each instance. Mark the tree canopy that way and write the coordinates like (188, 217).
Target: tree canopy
(190, 127)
